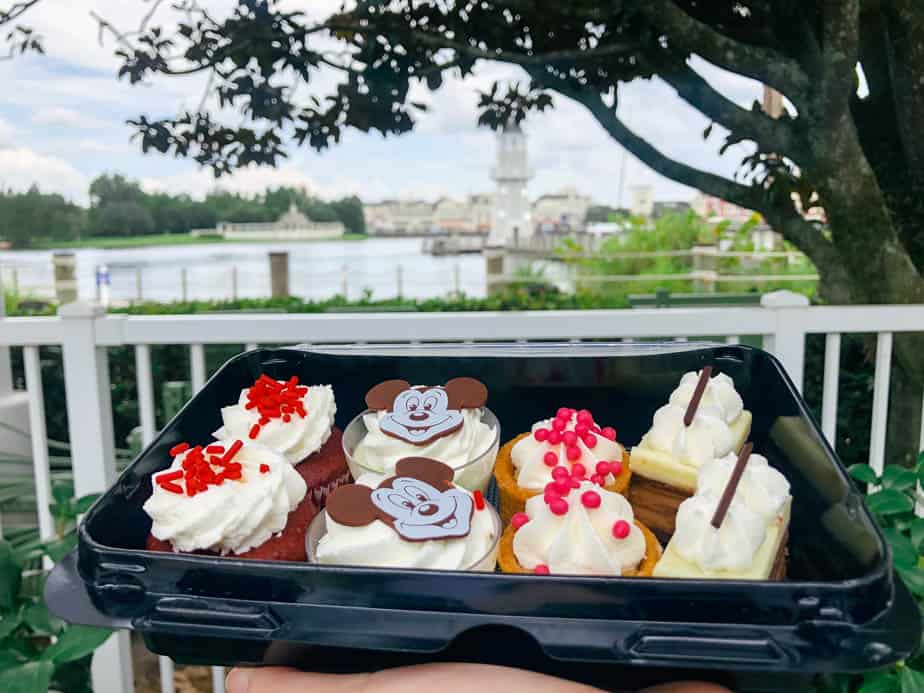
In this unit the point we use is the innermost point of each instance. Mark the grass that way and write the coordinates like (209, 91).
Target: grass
(162, 239)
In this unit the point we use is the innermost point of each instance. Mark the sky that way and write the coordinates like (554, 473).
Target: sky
(62, 123)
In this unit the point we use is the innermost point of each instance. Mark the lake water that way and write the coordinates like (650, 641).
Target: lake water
(316, 270)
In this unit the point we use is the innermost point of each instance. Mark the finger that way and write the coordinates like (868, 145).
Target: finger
(445, 678)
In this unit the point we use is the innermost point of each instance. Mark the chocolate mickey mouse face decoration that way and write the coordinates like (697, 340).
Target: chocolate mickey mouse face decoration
(420, 502)
(419, 415)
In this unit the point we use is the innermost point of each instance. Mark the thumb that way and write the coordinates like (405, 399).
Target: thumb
(445, 678)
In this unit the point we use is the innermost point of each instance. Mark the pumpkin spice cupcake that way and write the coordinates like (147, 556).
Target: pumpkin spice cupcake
(586, 531)
(569, 445)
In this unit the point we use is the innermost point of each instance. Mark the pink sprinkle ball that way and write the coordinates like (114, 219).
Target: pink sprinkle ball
(541, 569)
(569, 437)
(560, 473)
(573, 453)
(620, 529)
(590, 440)
(550, 458)
(603, 468)
(590, 499)
(584, 416)
(563, 413)
(559, 424)
(574, 482)
(559, 506)
(615, 467)
(582, 429)
(597, 479)
(609, 432)
(541, 434)
(519, 519)
(578, 470)
(563, 486)
(554, 438)
(550, 493)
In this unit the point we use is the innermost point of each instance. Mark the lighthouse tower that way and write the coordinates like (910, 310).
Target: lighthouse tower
(510, 218)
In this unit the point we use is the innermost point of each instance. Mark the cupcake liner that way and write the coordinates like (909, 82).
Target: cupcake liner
(508, 563)
(512, 498)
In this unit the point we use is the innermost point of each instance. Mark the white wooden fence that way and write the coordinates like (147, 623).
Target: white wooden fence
(85, 333)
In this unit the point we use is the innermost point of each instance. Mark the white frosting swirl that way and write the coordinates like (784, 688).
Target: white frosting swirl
(379, 545)
(706, 438)
(581, 541)
(731, 547)
(232, 517)
(762, 488)
(720, 399)
(528, 456)
(297, 438)
(380, 452)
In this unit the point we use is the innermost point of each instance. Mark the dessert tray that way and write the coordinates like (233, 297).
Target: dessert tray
(839, 608)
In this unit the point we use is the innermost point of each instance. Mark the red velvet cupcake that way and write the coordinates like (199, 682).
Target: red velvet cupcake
(297, 421)
(240, 500)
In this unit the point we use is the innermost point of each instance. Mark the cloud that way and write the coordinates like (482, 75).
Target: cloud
(7, 133)
(21, 168)
(68, 118)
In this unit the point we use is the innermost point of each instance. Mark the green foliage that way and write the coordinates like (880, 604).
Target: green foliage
(25, 217)
(37, 650)
(892, 507)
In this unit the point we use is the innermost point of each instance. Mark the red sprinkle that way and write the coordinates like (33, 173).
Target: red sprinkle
(609, 432)
(584, 416)
(569, 437)
(264, 469)
(559, 506)
(590, 499)
(615, 467)
(590, 440)
(621, 529)
(169, 476)
(179, 449)
(232, 451)
(563, 413)
(541, 569)
(603, 468)
(519, 519)
(541, 434)
(554, 437)
(597, 479)
(215, 450)
(197, 470)
(573, 453)
(173, 488)
(559, 425)
(581, 429)
(559, 473)
(275, 400)
(574, 482)
(479, 499)
(578, 470)
(563, 486)
(550, 458)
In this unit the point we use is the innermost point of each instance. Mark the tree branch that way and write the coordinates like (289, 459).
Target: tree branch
(17, 10)
(775, 135)
(766, 66)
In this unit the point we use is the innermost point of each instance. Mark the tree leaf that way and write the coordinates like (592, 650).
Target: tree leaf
(914, 579)
(912, 680)
(9, 621)
(30, 677)
(880, 682)
(899, 478)
(889, 502)
(864, 473)
(10, 576)
(903, 554)
(57, 550)
(39, 619)
(75, 643)
(707, 131)
(917, 534)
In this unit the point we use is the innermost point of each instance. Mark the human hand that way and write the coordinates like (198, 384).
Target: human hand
(444, 678)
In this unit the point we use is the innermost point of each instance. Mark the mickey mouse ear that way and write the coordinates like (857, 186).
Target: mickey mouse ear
(351, 505)
(466, 393)
(382, 396)
(434, 472)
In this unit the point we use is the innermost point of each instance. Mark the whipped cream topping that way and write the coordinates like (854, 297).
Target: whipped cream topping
(762, 489)
(568, 439)
(709, 435)
(590, 535)
(292, 434)
(731, 547)
(377, 544)
(232, 516)
(720, 399)
(379, 451)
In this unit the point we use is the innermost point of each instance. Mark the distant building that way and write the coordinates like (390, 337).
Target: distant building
(399, 217)
(642, 200)
(712, 208)
(511, 220)
(291, 226)
(561, 211)
(659, 209)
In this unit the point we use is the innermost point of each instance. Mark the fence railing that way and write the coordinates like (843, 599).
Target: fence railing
(86, 333)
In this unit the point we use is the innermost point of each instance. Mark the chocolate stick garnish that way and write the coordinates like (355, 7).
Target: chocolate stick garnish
(704, 376)
(732, 486)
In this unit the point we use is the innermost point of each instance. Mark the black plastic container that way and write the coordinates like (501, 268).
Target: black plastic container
(841, 608)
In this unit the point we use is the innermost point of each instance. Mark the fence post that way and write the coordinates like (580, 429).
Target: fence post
(399, 276)
(89, 414)
(234, 282)
(139, 288)
(279, 274)
(6, 370)
(344, 281)
(184, 284)
(65, 271)
(787, 341)
(456, 279)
